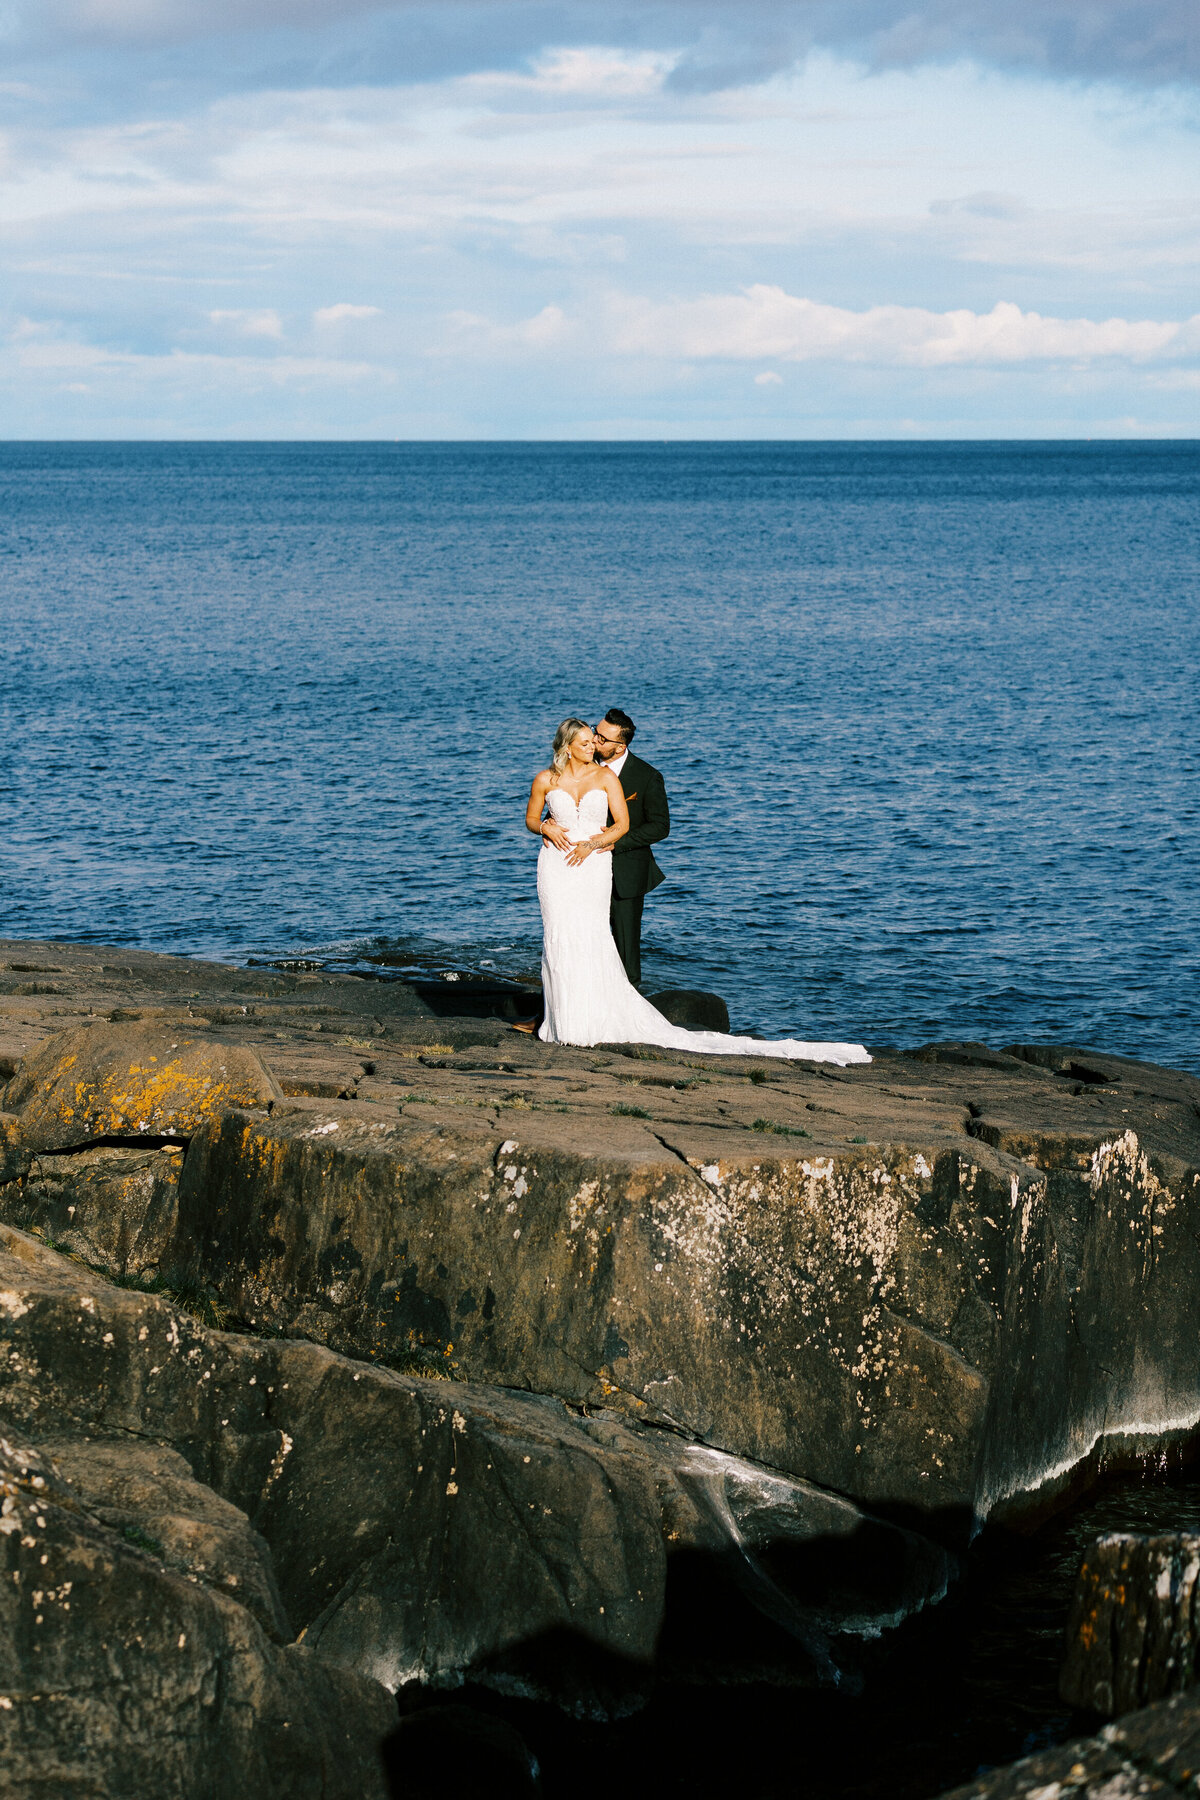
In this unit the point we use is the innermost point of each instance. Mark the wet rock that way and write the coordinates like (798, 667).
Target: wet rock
(1144, 1755)
(1134, 1622)
(130, 1080)
(694, 1008)
(1089, 1769)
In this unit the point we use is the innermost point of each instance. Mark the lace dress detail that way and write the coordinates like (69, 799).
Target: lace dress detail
(589, 998)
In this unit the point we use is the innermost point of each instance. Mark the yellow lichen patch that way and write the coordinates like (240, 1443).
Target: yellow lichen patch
(132, 1080)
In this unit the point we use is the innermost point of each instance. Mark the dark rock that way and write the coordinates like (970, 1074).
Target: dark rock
(14, 1152)
(947, 1329)
(1097, 1069)
(1088, 1769)
(1132, 1633)
(694, 1008)
(113, 1206)
(120, 1675)
(967, 1055)
(488, 1756)
(1142, 1756)
(415, 1528)
(134, 1080)
(149, 1494)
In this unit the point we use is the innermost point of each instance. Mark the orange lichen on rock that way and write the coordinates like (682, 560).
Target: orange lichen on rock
(131, 1080)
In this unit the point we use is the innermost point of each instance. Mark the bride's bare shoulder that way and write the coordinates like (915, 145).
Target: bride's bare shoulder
(542, 778)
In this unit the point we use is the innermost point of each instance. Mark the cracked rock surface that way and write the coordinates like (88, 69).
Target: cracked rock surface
(939, 1283)
(711, 1314)
(184, 1507)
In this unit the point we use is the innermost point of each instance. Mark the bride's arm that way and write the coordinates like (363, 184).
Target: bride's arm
(549, 829)
(604, 840)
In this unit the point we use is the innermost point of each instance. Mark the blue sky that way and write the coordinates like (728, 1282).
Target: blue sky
(834, 218)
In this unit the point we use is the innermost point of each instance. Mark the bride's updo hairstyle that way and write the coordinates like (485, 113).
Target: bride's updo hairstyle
(564, 737)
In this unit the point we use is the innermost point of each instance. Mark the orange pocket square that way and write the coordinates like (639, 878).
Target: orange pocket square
(630, 797)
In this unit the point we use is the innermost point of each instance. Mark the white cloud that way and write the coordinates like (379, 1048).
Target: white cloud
(766, 322)
(550, 329)
(45, 348)
(264, 323)
(768, 378)
(334, 315)
(591, 72)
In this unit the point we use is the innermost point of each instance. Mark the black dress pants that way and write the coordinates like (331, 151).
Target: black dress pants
(625, 918)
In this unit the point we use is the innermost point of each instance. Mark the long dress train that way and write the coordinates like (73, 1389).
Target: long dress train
(589, 998)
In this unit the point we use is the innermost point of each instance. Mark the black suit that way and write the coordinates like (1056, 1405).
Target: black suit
(635, 872)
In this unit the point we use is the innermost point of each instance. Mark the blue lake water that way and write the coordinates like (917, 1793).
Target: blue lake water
(927, 714)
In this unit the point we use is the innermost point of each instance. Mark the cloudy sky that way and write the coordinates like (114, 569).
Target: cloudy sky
(775, 218)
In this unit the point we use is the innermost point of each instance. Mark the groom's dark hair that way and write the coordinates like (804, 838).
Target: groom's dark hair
(614, 716)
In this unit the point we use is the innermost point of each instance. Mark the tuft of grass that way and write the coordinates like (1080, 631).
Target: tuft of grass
(779, 1130)
(858, 1140)
(630, 1112)
(424, 1360)
(141, 1540)
(199, 1302)
(59, 1245)
(758, 1076)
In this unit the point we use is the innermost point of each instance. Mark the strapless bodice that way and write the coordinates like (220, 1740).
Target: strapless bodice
(580, 819)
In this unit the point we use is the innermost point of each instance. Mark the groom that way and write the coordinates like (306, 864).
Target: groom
(635, 872)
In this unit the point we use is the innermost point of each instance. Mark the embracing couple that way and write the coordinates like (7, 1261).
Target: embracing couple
(597, 809)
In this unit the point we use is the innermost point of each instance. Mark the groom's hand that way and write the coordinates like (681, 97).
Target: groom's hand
(554, 834)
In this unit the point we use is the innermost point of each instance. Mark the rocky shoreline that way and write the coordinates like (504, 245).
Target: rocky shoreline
(350, 1344)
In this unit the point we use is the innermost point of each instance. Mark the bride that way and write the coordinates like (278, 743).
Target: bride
(589, 999)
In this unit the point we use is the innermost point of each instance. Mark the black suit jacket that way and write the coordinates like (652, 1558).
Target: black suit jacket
(634, 869)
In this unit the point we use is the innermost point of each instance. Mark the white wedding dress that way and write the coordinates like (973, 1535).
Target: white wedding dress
(589, 998)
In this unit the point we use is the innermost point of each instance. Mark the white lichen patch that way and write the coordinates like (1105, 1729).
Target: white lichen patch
(581, 1203)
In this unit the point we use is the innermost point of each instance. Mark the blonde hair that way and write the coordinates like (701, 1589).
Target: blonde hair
(564, 737)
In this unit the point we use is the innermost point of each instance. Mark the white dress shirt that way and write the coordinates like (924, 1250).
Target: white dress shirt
(618, 762)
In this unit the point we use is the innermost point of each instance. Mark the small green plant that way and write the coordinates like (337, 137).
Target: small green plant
(141, 1540)
(858, 1140)
(779, 1130)
(630, 1112)
(758, 1076)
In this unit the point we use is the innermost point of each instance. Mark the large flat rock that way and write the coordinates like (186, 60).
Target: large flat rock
(940, 1283)
(935, 1325)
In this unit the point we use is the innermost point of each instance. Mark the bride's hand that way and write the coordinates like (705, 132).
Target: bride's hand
(579, 853)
